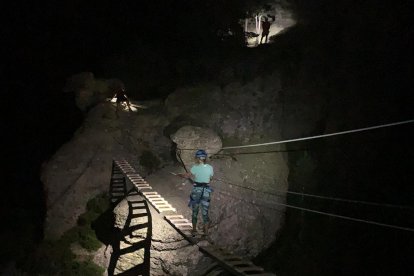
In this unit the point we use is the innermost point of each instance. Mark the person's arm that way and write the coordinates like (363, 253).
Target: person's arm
(184, 175)
(127, 100)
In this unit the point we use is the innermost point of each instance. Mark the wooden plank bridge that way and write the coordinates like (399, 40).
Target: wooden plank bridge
(223, 259)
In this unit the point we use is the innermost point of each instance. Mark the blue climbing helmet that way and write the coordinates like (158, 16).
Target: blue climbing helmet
(202, 154)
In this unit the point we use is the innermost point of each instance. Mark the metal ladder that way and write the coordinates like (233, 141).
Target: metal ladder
(117, 185)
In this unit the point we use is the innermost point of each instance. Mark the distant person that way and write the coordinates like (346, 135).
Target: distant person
(265, 30)
(201, 174)
(121, 97)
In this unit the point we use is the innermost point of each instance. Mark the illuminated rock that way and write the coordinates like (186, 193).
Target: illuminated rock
(191, 138)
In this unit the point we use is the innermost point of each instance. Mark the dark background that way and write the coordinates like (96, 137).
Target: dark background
(357, 55)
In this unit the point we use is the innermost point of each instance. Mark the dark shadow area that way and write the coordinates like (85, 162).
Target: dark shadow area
(357, 58)
(52, 257)
(128, 230)
(374, 167)
(103, 227)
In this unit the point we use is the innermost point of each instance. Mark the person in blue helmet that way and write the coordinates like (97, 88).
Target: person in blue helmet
(201, 174)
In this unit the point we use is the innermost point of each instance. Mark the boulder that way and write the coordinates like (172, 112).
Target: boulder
(88, 90)
(191, 138)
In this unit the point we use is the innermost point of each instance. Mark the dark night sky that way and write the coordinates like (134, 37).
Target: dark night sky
(45, 43)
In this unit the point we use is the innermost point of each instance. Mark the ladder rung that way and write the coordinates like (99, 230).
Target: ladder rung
(169, 217)
(183, 224)
(150, 193)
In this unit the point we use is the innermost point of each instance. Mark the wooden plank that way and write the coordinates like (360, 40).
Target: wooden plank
(240, 263)
(212, 269)
(216, 273)
(153, 196)
(163, 209)
(161, 204)
(150, 193)
(175, 221)
(139, 180)
(155, 199)
(135, 176)
(142, 185)
(183, 224)
(174, 216)
(188, 229)
(237, 266)
(141, 188)
(127, 170)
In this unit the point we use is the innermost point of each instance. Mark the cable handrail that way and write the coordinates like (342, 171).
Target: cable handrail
(346, 217)
(320, 136)
(283, 192)
(392, 226)
(297, 139)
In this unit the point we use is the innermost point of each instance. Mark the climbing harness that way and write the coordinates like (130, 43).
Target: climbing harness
(206, 188)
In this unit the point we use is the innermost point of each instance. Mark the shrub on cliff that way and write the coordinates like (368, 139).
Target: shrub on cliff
(149, 161)
(56, 257)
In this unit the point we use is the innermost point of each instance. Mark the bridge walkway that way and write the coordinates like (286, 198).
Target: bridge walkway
(224, 260)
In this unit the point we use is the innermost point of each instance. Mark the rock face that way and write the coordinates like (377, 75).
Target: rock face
(249, 185)
(190, 138)
(88, 90)
(81, 169)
